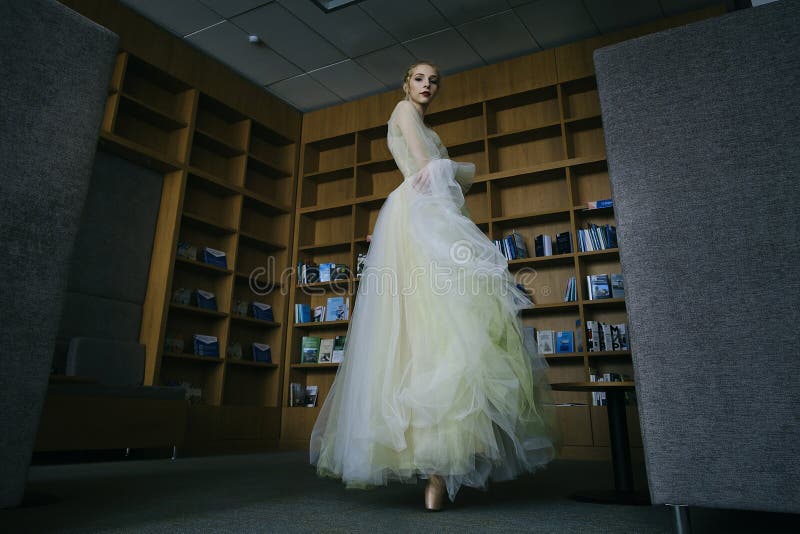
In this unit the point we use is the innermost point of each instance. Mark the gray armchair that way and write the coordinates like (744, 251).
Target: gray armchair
(702, 127)
(54, 74)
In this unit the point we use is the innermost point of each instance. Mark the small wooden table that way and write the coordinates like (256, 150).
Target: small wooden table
(623, 492)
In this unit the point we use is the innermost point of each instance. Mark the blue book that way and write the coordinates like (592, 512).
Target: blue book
(263, 311)
(302, 313)
(565, 341)
(206, 345)
(262, 353)
(214, 257)
(325, 271)
(336, 309)
(205, 300)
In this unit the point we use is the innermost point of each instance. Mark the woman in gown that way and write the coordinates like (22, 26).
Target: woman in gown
(436, 382)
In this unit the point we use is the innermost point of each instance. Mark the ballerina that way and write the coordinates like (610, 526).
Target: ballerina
(436, 381)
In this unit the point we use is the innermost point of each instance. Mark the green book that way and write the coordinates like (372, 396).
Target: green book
(310, 349)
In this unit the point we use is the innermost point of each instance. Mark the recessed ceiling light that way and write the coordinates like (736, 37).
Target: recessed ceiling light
(331, 5)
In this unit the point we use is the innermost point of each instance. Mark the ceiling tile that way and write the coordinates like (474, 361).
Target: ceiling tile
(181, 17)
(231, 8)
(447, 49)
(229, 44)
(676, 7)
(304, 92)
(498, 37)
(348, 80)
(289, 37)
(388, 65)
(613, 15)
(462, 11)
(350, 29)
(556, 22)
(405, 20)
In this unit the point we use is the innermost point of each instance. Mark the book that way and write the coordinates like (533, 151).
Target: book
(309, 349)
(302, 313)
(597, 204)
(262, 311)
(600, 287)
(543, 245)
(337, 309)
(206, 345)
(361, 261)
(518, 246)
(337, 356)
(605, 337)
(297, 395)
(319, 314)
(593, 336)
(617, 286)
(326, 350)
(565, 341)
(262, 353)
(311, 396)
(546, 341)
(214, 257)
(325, 271)
(340, 271)
(205, 300)
(563, 243)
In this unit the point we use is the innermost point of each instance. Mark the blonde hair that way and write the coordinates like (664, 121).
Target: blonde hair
(410, 72)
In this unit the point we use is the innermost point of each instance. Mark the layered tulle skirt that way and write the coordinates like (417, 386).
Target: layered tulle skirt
(436, 378)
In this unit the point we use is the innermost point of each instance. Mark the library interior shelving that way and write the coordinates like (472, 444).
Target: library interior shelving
(270, 187)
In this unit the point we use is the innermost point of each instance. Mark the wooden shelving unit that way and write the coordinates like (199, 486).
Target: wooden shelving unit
(229, 184)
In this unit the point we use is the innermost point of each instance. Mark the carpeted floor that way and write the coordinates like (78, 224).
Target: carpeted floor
(279, 492)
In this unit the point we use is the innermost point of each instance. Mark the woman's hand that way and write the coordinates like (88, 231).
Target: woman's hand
(421, 182)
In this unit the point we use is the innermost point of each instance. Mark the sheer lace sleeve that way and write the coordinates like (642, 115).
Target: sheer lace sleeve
(411, 145)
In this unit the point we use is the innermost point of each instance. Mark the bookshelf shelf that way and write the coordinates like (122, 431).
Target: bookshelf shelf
(194, 310)
(138, 153)
(260, 242)
(265, 167)
(324, 325)
(185, 356)
(331, 283)
(550, 307)
(150, 114)
(610, 354)
(207, 224)
(201, 267)
(539, 260)
(255, 322)
(331, 246)
(314, 366)
(248, 363)
(604, 303)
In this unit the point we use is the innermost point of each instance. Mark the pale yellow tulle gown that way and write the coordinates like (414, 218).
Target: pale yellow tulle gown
(436, 378)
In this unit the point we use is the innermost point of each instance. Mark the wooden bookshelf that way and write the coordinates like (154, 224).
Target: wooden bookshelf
(229, 184)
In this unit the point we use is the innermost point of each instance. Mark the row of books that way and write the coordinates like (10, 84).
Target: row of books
(595, 237)
(555, 341)
(544, 245)
(606, 337)
(605, 286)
(207, 345)
(208, 255)
(310, 272)
(314, 349)
(599, 397)
(336, 309)
(512, 246)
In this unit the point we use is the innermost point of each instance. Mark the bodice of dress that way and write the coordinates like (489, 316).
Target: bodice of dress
(412, 144)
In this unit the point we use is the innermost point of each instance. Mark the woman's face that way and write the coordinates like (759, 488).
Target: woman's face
(423, 85)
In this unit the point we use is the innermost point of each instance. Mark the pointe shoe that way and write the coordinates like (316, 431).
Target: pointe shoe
(434, 493)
